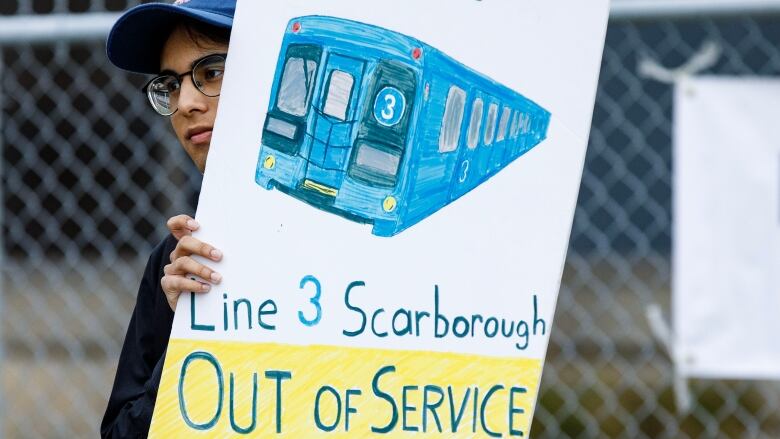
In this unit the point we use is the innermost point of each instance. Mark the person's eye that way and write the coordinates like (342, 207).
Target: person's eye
(214, 73)
(168, 84)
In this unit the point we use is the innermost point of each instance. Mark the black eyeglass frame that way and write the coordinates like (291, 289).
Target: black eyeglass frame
(180, 79)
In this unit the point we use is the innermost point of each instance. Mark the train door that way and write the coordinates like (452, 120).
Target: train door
(513, 149)
(467, 165)
(481, 166)
(503, 140)
(334, 122)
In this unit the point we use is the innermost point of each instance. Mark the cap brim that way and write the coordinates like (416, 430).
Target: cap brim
(136, 40)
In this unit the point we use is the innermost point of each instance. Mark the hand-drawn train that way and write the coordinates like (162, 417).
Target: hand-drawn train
(382, 129)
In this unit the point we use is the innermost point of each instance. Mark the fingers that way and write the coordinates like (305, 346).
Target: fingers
(174, 285)
(177, 284)
(177, 278)
(182, 225)
(189, 246)
(187, 265)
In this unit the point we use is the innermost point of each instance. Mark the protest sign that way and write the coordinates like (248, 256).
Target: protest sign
(726, 289)
(393, 188)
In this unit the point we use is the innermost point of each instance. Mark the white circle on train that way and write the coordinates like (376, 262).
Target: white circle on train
(389, 106)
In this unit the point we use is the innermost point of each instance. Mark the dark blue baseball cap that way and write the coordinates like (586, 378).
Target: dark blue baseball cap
(136, 40)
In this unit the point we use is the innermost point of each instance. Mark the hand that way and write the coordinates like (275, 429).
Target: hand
(178, 274)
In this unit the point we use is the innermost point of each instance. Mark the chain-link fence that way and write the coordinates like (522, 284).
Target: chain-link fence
(90, 175)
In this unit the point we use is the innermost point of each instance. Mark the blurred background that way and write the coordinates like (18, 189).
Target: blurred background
(90, 174)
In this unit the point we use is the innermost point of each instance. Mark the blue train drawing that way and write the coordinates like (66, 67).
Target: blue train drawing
(383, 129)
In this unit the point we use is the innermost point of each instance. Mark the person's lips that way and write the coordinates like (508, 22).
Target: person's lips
(199, 135)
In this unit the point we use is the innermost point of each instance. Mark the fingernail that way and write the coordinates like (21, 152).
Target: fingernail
(216, 277)
(192, 224)
(205, 287)
(216, 254)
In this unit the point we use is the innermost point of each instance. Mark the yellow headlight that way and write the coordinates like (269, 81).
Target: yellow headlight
(269, 162)
(390, 204)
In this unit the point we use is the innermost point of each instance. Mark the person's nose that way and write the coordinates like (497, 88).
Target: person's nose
(191, 100)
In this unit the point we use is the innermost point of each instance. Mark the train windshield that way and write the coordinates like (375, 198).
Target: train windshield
(297, 83)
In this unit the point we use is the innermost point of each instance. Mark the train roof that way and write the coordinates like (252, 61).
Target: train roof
(353, 32)
(378, 39)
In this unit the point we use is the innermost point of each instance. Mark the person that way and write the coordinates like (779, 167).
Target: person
(185, 44)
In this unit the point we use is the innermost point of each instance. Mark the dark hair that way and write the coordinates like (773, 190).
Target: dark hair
(202, 33)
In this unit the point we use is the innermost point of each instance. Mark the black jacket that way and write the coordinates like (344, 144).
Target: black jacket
(130, 407)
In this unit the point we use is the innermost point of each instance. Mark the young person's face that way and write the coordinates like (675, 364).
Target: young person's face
(194, 119)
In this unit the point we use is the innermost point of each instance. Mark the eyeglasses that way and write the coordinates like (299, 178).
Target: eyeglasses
(163, 91)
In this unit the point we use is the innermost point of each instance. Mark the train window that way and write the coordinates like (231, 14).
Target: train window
(504, 124)
(513, 129)
(520, 119)
(453, 120)
(490, 125)
(378, 166)
(475, 123)
(526, 123)
(520, 122)
(296, 86)
(339, 93)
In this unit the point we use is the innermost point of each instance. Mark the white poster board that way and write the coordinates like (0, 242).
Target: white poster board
(726, 288)
(436, 318)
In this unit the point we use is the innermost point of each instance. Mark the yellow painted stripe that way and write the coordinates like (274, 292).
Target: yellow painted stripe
(313, 185)
(312, 367)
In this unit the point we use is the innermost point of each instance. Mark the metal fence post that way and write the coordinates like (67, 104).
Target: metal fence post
(2, 251)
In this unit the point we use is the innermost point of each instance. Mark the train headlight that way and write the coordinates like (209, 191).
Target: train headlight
(390, 204)
(269, 162)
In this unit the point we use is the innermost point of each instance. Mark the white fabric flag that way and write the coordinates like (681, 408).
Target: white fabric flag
(726, 289)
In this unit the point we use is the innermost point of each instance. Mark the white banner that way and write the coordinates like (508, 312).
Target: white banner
(726, 289)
